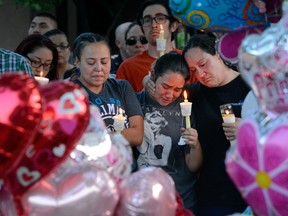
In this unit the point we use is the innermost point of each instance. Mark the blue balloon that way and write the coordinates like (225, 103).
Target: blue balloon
(218, 15)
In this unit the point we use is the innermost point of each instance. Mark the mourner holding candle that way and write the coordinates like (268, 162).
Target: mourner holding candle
(152, 14)
(218, 84)
(163, 127)
(92, 58)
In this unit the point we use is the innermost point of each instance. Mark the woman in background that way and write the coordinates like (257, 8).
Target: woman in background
(41, 53)
(60, 41)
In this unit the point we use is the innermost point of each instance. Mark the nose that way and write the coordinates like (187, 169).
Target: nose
(97, 67)
(153, 23)
(169, 93)
(201, 72)
(138, 43)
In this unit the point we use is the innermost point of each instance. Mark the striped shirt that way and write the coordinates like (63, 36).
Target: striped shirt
(13, 62)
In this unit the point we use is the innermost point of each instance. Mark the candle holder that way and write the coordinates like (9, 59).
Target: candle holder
(42, 80)
(227, 113)
(119, 122)
(228, 116)
(161, 45)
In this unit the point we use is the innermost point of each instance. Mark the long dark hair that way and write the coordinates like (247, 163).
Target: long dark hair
(171, 61)
(34, 41)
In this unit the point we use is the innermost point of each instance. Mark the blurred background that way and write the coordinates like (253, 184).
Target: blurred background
(74, 17)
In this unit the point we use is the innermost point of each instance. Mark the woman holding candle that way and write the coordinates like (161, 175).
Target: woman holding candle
(41, 53)
(218, 84)
(92, 58)
(163, 127)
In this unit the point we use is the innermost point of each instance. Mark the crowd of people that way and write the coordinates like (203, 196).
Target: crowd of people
(153, 120)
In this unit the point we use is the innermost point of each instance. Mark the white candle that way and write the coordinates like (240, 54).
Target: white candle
(119, 121)
(228, 118)
(186, 107)
(42, 80)
(161, 41)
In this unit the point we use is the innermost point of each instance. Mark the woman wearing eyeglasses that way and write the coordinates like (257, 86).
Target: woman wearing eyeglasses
(135, 40)
(59, 39)
(41, 53)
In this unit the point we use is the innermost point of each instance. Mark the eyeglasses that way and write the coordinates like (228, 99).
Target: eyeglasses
(133, 40)
(38, 64)
(62, 46)
(159, 19)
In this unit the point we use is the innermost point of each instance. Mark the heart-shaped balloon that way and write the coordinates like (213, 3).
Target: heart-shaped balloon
(149, 191)
(218, 16)
(229, 43)
(21, 112)
(111, 152)
(263, 61)
(73, 189)
(258, 163)
(63, 122)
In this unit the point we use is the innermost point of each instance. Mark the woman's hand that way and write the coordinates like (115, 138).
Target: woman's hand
(230, 129)
(190, 137)
(194, 157)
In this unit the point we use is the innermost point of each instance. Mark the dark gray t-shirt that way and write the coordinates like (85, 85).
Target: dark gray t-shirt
(160, 145)
(114, 95)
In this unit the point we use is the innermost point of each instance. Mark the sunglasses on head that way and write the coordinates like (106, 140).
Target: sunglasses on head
(133, 40)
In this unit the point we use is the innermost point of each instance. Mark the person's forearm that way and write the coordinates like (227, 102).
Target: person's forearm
(133, 135)
(194, 158)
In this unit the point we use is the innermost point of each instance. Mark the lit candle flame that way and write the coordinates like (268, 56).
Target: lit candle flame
(227, 112)
(185, 95)
(120, 112)
(41, 73)
(161, 35)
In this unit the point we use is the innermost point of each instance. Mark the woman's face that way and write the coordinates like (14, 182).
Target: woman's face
(168, 87)
(136, 34)
(41, 60)
(94, 64)
(62, 47)
(206, 67)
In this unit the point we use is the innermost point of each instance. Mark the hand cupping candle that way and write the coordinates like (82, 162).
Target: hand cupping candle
(119, 121)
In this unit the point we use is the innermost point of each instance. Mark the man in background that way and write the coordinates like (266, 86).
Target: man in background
(42, 23)
(117, 59)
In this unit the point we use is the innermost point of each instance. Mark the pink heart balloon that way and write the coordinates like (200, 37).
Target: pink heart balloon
(263, 61)
(149, 191)
(258, 165)
(72, 189)
(110, 152)
(21, 112)
(64, 121)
